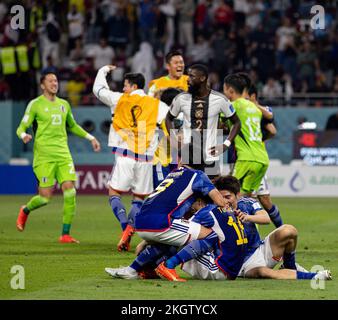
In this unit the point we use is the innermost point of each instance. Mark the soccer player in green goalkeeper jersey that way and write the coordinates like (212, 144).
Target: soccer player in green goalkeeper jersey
(51, 118)
(252, 158)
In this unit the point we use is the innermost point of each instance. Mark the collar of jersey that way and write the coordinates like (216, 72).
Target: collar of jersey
(140, 92)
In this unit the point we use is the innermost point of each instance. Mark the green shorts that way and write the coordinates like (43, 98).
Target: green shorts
(250, 174)
(48, 173)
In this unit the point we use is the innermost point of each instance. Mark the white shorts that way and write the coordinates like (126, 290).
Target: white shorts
(263, 188)
(262, 257)
(131, 175)
(180, 232)
(204, 268)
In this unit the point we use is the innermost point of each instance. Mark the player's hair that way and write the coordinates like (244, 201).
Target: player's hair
(44, 75)
(201, 68)
(246, 78)
(229, 183)
(236, 82)
(253, 90)
(135, 78)
(169, 94)
(171, 54)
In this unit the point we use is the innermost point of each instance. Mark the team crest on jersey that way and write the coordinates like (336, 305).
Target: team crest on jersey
(63, 109)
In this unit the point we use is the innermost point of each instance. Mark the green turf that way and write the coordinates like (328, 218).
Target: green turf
(55, 271)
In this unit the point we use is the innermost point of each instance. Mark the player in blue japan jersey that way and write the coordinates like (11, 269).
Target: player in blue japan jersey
(280, 244)
(226, 260)
(161, 208)
(160, 221)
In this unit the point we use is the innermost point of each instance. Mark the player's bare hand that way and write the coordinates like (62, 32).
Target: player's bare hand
(27, 138)
(96, 145)
(111, 67)
(242, 216)
(217, 150)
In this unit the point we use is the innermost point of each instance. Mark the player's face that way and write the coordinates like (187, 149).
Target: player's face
(197, 205)
(128, 87)
(228, 91)
(175, 67)
(230, 198)
(50, 85)
(194, 80)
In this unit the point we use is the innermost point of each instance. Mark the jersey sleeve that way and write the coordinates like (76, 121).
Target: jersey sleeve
(204, 217)
(162, 112)
(202, 184)
(227, 108)
(27, 119)
(176, 107)
(72, 125)
(101, 89)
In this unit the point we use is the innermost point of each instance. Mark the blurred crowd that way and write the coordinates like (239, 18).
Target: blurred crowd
(271, 40)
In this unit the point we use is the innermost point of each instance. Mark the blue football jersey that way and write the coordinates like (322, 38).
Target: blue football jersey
(231, 251)
(250, 206)
(172, 199)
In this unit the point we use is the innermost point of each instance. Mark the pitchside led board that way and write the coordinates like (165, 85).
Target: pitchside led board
(316, 148)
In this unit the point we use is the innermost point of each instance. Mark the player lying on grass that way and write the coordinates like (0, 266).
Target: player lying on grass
(229, 251)
(263, 255)
(51, 118)
(160, 218)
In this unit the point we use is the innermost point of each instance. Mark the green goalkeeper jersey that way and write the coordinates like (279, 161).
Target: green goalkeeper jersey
(51, 120)
(248, 143)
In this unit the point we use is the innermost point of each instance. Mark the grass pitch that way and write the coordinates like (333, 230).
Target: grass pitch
(56, 271)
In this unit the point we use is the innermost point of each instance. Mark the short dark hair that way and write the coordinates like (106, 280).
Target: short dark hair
(253, 90)
(171, 54)
(246, 78)
(229, 183)
(169, 94)
(201, 68)
(236, 82)
(135, 78)
(45, 74)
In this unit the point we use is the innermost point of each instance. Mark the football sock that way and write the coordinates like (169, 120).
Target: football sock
(135, 208)
(69, 207)
(305, 275)
(289, 260)
(150, 254)
(35, 203)
(192, 250)
(119, 210)
(275, 217)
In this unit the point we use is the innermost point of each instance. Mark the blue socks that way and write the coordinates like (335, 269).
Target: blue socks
(275, 216)
(289, 260)
(119, 210)
(150, 254)
(135, 208)
(305, 275)
(192, 250)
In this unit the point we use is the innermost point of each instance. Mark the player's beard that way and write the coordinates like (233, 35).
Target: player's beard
(193, 89)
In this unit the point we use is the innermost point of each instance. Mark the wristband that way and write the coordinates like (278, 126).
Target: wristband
(89, 137)
(227, 143)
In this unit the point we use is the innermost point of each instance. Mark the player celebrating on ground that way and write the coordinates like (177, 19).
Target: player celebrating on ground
(133, 139)
(51, 118)
(280, 244)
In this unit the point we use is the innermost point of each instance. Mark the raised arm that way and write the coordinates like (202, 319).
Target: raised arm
(101, 89)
